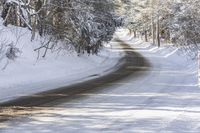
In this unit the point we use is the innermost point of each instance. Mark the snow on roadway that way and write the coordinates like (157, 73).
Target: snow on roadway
(27, 75)
(164, 99)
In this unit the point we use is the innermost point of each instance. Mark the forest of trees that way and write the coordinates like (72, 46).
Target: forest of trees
(82, 25)
(172, 21)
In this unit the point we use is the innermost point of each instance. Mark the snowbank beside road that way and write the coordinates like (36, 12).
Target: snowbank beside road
(27, 75)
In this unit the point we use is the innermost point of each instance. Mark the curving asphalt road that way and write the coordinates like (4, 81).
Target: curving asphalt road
(128, 65)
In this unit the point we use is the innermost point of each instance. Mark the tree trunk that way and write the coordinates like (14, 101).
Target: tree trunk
(130, 31)
(33, 28)
(153, 32)
(158, 32)
(135, 33)
(146, 36)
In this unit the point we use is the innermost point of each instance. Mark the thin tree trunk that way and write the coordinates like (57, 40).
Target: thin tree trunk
(130, 31)
(33, 28)
(158, 31)
(152, 22)
(7, 16)
(153, 32)
(146, 36)
(135, 33)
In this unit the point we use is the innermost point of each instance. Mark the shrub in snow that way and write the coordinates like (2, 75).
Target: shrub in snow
(8, 52)
(12, 52)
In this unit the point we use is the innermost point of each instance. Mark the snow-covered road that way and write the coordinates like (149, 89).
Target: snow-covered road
(161, 98)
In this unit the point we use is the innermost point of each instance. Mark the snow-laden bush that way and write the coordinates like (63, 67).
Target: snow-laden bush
(12, 52)
(8, 52)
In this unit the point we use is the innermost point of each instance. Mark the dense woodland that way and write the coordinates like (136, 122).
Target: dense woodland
(83, 25)
(168, 21)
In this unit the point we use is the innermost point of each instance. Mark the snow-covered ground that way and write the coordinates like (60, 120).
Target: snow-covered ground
(29, 75)
(162, 99)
